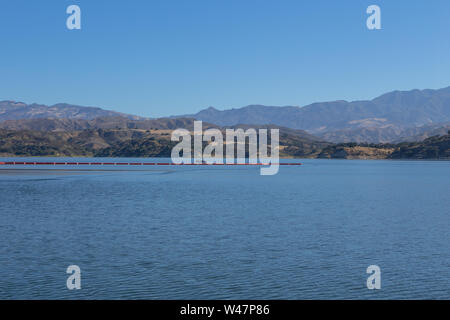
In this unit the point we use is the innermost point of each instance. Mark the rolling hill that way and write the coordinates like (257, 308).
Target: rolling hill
(121, 137)
(98, 123)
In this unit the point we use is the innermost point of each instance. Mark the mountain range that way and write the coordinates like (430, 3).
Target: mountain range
(116, 122)
(390, 118)
(387, 118)
(12, 110)
(418, 121)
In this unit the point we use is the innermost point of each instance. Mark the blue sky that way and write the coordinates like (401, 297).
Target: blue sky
(156, 58)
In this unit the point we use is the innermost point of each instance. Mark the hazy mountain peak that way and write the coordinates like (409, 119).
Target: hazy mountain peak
(11, 110)
(12, 103)
(392, 112)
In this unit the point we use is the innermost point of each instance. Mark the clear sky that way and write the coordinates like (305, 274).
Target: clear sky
(165, 57)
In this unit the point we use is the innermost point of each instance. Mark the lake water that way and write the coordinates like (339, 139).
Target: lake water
(309, 232)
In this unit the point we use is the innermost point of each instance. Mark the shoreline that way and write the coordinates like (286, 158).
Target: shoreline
(7, 157)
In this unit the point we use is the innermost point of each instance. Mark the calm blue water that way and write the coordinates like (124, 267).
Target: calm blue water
(309, 232)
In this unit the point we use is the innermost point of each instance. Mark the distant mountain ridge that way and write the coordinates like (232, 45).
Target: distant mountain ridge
(382, 119)
(386, 134)
(392, 117)
(12, 110)
(99, 123)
